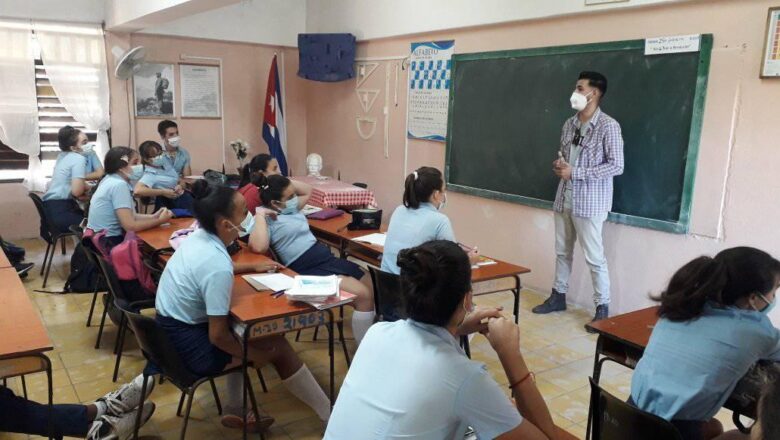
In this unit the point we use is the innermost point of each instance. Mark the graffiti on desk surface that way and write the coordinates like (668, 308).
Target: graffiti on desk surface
(289, 323)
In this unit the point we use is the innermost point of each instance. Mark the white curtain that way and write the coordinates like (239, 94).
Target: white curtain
(18, 98)
(75, 61)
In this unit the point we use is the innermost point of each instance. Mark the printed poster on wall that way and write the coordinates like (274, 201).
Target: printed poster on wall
(429, 89)
(199, 91)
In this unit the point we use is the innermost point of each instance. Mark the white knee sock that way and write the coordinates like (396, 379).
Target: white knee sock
(234, 397)
(303, 386)
(361, 321)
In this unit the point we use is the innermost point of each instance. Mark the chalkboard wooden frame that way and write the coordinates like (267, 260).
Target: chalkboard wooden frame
(679, 227)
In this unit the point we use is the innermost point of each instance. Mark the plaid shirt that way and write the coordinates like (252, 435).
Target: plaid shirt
(601, 159)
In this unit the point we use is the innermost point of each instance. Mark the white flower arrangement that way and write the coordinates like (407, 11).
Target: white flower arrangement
(240, 148)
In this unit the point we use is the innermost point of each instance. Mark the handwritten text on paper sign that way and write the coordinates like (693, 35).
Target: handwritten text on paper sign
(676, 44)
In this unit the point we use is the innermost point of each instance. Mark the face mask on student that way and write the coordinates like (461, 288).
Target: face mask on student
(86, 149)
(443, 202)
(174, 141)
(579, 101)
(769, 305)
(138, 171)
(291, 207)
(158, 161)
(247, 225)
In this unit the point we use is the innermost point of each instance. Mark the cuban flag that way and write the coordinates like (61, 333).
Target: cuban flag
(273, 120)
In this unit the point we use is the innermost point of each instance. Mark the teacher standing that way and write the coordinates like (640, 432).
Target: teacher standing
(590, 155)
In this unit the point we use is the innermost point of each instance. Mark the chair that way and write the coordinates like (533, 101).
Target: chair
(159, 350)
(78, 231)
(50, 235)
(388, 301)
(122, 303)
(614, 419)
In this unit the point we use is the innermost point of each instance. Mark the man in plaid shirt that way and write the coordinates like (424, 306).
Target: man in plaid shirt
(590, 155)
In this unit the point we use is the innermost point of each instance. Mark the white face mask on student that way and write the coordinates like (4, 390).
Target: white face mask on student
(443, 201)
(579, 101)
(174, 141)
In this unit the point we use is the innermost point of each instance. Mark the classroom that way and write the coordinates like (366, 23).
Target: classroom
(348, 220)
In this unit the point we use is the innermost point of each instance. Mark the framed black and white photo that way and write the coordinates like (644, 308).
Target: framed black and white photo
(200, 92)
(154, 90)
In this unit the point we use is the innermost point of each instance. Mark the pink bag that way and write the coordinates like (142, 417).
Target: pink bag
(180, 235)
(128, 263)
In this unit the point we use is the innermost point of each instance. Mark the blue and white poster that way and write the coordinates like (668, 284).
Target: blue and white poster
(429, 89)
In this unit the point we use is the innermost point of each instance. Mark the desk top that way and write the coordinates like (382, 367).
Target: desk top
(21, 326)
(158, 237)
(633, 328)
(4, 263)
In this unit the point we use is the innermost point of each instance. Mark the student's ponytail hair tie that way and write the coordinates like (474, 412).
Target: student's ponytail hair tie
(264, 187)
(416, 176)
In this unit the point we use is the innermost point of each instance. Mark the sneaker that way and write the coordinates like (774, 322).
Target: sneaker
(253, 422)
(555, 303)
(602, 312)
(23, 268)
(118, 428)
(127, 398)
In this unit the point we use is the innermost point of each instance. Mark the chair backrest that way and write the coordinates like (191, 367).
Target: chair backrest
(47, 227)
(614, 419)
(158, 349)
(121, 299)
(86, 245)
(387, 295)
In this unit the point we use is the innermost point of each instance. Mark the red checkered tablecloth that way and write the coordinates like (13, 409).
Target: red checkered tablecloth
(332, 193)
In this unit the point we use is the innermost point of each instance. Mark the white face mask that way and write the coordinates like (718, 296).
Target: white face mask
(443, 201)
(87, 148)
(174, 141)
(579, 101)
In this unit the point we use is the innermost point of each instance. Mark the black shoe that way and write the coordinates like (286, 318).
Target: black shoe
(555, 303)
(23, 268)
(602, 312)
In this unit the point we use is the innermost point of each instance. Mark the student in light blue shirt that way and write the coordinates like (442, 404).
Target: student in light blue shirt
(419, 219)
(713, 327)
(112, 208)
(193, 307)
(94, 169)
(160, 180)
(67, 181)
(411, 380)
(175, 155)
(281, 226)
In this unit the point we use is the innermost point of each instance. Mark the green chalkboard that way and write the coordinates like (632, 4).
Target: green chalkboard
(507, 109)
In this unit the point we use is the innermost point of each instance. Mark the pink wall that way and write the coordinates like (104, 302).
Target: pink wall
(245, 70)
(735, 189)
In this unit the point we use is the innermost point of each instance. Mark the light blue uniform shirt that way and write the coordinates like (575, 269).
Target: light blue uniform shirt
(93, 162)
(413, 227)
(290, 236)
(197, 280)
(160, 178)
(180, 162)
(412, 381)
(113, 192)
(70, 165)
(690, 368)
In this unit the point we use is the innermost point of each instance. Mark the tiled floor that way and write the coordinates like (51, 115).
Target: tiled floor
(555, 346)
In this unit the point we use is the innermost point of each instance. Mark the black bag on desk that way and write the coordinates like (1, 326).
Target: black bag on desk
(365, 219)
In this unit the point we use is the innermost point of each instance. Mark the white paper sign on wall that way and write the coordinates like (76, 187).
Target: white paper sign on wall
(674, 44)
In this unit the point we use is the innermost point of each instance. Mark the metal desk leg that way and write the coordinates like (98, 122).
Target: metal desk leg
(331, 355)
(596, 376)
(244, 368)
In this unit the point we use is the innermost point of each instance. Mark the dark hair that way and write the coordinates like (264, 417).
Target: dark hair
(596, 80)
(733, 274)
(146, 148)
(68, 137)
(769, 409)
(163, 126)
(435, 277)
(210, 202)
(272, 187)
(419, 186)
(117, 158)
(252, 170)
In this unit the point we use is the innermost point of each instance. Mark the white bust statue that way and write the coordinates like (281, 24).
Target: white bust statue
(314, 164)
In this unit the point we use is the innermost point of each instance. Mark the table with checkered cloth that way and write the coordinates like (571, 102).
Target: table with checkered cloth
(332, 193)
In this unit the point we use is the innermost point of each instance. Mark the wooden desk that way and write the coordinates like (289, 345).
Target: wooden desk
(4, 262)
(157, 238)
(493, 278)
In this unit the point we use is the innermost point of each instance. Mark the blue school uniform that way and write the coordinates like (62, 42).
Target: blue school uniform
(58, 201)
(413, 227)
(113, 192)
(295, 245)
(196, 283)
(92, 162)
(160, 178)
(181, 161)
(690, 368)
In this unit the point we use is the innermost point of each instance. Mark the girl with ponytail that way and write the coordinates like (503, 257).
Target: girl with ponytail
(713, 327)
(260, 167)
(419, 218)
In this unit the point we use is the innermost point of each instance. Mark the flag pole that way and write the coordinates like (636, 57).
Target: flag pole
(283, 94)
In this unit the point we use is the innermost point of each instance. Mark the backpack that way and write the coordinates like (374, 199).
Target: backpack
(84, 274)
(128, 264)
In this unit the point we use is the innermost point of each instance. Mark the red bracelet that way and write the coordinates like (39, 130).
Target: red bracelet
(530, 374)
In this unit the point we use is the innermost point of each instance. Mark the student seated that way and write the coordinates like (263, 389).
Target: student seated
(111, 417)
(410, 379)
(176, 156)
(112, 207)
(713, 327)
(419, 219)
(160, 180)
(281, 226)
(262, 165)
(67, 181)
(193, 306)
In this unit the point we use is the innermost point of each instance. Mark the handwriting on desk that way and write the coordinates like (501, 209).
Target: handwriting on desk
(288, 323)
